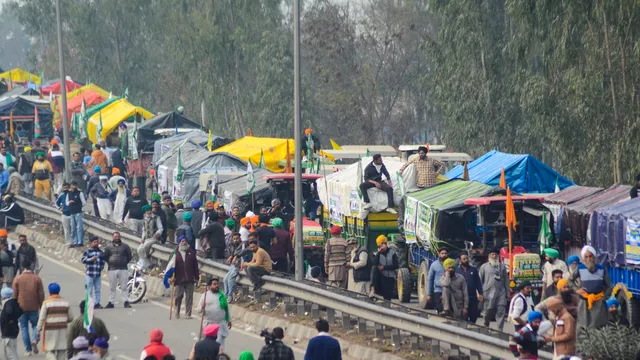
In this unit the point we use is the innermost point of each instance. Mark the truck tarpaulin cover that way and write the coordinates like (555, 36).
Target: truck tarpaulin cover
(169, 120)
(610, 233)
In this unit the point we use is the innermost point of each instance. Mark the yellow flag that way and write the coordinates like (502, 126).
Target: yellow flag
(210, 141)
(335, 145)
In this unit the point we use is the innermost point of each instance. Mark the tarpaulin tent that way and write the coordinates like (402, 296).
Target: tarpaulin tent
(614, 230)
(249, 148)
(19, 91)
(56, 87)
(168, 120)
(556, 202)
(163, 146)
(23, 112)
(90, 97)
(438, 212)
(112, 116)
(93, 87)
(576, 216)
(234, 192)
(195, 160)
(523, 173)
(19, 76)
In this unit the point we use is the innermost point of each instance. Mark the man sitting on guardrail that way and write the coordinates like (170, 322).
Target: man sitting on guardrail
(259, 266)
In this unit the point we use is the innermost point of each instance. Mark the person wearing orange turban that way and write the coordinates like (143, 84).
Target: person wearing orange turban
(310, 141)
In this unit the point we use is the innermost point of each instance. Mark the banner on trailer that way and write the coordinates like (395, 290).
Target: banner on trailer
(335, 209)
(410, 214)
(423, 223)
(632, 246)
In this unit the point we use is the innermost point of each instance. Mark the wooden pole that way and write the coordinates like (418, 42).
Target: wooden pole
(510, 252)
(204, 305)
(173, 293)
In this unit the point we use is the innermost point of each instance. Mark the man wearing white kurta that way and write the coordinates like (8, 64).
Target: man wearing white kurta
(216, 310)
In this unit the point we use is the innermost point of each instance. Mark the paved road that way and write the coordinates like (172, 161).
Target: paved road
(130, 328)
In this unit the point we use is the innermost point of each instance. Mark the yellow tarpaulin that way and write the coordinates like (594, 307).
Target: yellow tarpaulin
(112, 116)
(249, 148)
(20, 76)
(94, 87)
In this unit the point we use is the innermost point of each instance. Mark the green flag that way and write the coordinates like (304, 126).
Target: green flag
(401, 183)
(545, 235)
(99, 130)
(87, 318)
(74, 125)
(368, 154)
(251, 179)
(180, 167)
(262, 165)
(126, 93)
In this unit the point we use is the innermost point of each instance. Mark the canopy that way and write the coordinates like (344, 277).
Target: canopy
(195, 160)
(234, 192)
(18, 75)
(439, 212)
(614, 233)
(249, 148)
(19, 91)
(523, 173)
(56, 87)
(91, 97)
(112, 116)
(24, 110)
(576, 216)
(94, 87)
(170, 120)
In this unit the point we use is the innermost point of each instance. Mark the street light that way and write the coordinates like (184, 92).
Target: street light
(63, 97)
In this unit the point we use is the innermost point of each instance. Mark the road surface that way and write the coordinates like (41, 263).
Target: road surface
(129, 328)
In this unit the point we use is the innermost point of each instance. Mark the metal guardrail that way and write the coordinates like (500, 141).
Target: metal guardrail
(433, 331)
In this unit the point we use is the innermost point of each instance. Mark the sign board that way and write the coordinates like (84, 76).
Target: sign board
(228, 201)
(527, 267)
(410, 214)
(176, 194)
(354, 202)
(335, 209)
(632, 242)
(163, 179)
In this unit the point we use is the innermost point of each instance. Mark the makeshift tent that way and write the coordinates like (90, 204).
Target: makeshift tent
(576, 216)
(19, 76)
(438, 212)
(195, 160)
(556, 202)
(23, 113)
(523, 173)
(168, 120)
(93, 87)
(19, 91)
(161, 147)
(615, 233)
(249, 148)
(3, 87)
(56, 87)
(234, 192)
(90, 97)
(92, 110)
(112, 116)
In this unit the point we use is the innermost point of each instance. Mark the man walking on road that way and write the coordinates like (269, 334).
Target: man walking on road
(117, 256)
(93, 259)
(133, 210)
(323, 346)
(335, 257)
(496, 289)
(9, 317)
(474, 287)
(25, 253)
(434, 289)
(520, 306)
(28, 289)
(55, 315)
(216, 310)
(186, 276)
(75, 202)
(455, 296)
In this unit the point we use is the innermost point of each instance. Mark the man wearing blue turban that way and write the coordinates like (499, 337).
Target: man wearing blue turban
(55, 314)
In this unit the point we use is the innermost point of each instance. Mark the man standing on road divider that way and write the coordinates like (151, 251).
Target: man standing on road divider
(117, 256)
(61, 203)
(335, 258)
(133, 210)
(28, 289)
(75, 202)
(55, 315)
(93, 259)
(216, 310)
(496, 289)
(434, 289)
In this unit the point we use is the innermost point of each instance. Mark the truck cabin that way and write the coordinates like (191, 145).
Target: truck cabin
(282, 188)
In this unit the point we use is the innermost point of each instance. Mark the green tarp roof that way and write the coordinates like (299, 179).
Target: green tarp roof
(451, 193)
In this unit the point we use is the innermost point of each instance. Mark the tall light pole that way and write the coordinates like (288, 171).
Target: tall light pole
(63, 97)
(299, 249)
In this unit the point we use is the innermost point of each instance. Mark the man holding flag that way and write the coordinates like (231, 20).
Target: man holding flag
(85, 323)
(93, 259)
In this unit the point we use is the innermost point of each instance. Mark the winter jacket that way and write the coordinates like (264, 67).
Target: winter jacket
(187, 267)
(9, 316)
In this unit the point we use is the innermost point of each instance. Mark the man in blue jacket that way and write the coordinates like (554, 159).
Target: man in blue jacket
(474, 286)
(434, 289)
(323, 346)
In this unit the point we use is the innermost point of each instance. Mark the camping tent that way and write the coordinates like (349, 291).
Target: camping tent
(194, 160)
(19, 76)
(556, 202)
(614, 231)
(576, 216)
(91, 97)
(169, 120)
(250, 148)
(523, 173)
(94, 87)
(19, 91)
(56, 87)
(234, 192)
(438, 212)
(112, 116)
(22, 111)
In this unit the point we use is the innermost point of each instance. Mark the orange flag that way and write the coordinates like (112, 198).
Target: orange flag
(503, 182)
(510, 212)
(465, 172)
(11, 123)
(288, 169)
(249, 132)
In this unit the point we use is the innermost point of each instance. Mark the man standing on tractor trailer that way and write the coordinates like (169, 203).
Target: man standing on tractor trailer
(496, 289)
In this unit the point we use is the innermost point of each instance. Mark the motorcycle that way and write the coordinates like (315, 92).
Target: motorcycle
(137, 285)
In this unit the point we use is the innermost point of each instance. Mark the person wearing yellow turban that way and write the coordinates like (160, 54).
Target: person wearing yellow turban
(385, 264)
(455, 295)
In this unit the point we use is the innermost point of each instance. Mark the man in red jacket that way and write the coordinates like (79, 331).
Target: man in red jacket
(186, 276)
(155, 348)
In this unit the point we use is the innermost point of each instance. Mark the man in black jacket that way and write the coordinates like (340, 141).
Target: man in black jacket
(373, 178)
(157, 211)
(75, 200)
(9, 316)
(214, 233)
(26, 254)
(133, 208)
(383, 271)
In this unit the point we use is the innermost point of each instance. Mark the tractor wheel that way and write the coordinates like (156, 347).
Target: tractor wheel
(423, 272)
(404, 285)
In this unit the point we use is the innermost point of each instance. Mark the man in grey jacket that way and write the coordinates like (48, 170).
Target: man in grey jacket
(118, 255)
(455, 296)
(495, 283)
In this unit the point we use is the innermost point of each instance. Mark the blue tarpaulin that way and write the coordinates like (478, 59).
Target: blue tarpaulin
(523, 173)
